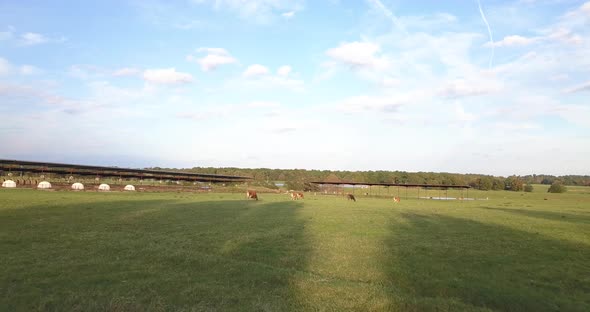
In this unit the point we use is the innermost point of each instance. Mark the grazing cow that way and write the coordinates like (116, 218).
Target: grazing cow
(350, 197)
(251, 194)
(296, 195)
(396, 199)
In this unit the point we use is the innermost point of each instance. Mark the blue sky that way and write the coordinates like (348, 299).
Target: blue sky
(496, 87)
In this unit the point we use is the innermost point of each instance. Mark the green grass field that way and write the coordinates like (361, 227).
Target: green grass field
(89, 251)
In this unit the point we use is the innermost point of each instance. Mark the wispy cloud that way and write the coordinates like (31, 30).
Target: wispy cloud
(359, 55)
(166, 76)
(514, 40)
(465, 88)
(255, 70)
(485, 20)
(284, 70)
(258, 11)
(215, 57)
(5, 67)
(126, 71)
(378, 5)
(579, 88)
(31, 39)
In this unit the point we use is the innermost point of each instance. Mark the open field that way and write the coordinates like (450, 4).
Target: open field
(87, 251)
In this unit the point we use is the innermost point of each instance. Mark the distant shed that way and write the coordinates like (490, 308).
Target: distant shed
(9, 184)
(44, 185)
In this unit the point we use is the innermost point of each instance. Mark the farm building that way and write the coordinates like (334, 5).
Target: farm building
(77, 186)
(104, 187)
(44, 185)
(9, 184)
(129, 187)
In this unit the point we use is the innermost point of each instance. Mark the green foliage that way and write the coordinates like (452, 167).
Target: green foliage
(498, 184)
(557, 187)
(528, 188)
(514, 183)
(484, 183)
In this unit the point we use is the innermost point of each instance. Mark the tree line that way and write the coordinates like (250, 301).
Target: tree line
(300, 178)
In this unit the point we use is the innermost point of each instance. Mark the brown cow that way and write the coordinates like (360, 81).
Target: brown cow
(251, 194)
(296, 195)
(350, 197)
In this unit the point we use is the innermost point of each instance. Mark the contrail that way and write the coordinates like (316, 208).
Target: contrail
(485, 20)
(379, 5)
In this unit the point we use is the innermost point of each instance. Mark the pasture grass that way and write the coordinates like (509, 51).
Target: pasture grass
(89, 251)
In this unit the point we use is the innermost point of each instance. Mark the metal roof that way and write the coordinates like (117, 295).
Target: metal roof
(393, 184)
(59, 168)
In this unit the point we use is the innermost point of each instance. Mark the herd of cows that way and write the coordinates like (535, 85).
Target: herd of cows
(251, 194)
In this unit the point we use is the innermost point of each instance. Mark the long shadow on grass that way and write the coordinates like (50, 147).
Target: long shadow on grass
(153, 255)
(447, 263)
(548, 215)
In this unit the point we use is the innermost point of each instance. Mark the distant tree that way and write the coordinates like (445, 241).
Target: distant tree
(485, 183)
(332, 178)
(514, 183)
(557, 187)
(528, 188)
(310, 187)
(498, 184)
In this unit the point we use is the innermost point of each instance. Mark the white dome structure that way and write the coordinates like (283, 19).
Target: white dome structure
(104, 187)
(44, 185)
(9, 184)
(129, 187)
(77, 186)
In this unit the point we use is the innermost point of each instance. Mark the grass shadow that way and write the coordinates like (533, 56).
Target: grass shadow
(137, 255)
(449, 263)
(548, 215)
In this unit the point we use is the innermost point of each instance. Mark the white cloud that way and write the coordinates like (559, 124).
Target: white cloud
(85, 71)
(33, 38)
(215, 57)
(388, 82)
(503, 125)
(260, 11)
(366, 103)
(462, 115)
(126, 71)
(359, 55)
(255, 70)
(284, 70)
(28, 70)
(288, 15)
(5, 67)
(565, 35)
(379, 6)
(166, 76)
(582, 87)
(260, 78)
(260, 104)
(465, 88)
(514, 40)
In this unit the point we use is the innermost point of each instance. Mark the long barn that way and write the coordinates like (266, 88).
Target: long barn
(18, 166)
